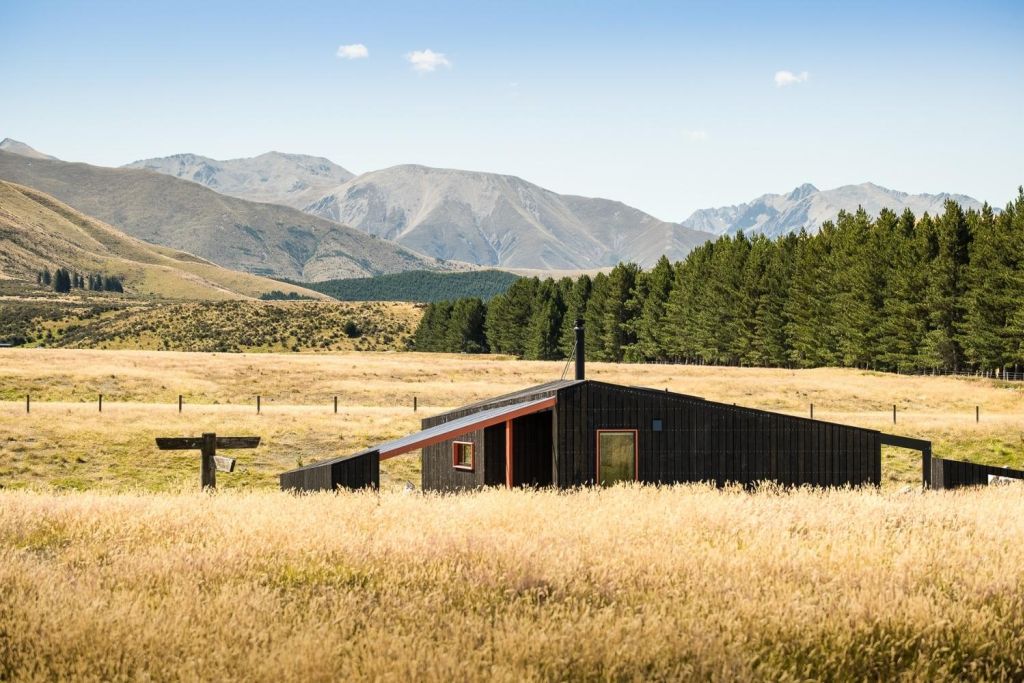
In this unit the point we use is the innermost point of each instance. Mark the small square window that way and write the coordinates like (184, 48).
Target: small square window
(656, 425)
(462, 455)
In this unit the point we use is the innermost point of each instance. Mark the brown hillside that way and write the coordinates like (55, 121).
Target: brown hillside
(37, 231)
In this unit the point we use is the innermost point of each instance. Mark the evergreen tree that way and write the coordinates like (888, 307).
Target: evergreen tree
(991, 298)
(809, 308)
(594, 318)
(575, 308)
(47, 277)
(618, 311)
(946, 288)
(651, 299)
(546, 323)
(464, 331)
(62, 281)
(509, 316)
(430, 333)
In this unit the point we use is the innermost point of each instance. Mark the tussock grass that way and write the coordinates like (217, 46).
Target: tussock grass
(627, 583)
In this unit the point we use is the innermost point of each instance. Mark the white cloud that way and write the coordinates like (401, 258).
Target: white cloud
(784, 78)
(427, 60)
(354, 51)
(696, 135)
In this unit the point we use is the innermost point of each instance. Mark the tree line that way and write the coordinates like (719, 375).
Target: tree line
(416, 285)
(894, 292)
(63, 281)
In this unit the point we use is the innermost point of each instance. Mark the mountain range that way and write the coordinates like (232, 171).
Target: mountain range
(807, 207)
(259, 238)
(294, 180)
(38, 232)
(500, 220)
(307, 218)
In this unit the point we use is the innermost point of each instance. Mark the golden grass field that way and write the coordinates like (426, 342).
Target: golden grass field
(113, 566)
(629, 583)
(64, 442)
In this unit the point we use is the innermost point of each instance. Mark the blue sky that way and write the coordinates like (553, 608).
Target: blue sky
(668, 107)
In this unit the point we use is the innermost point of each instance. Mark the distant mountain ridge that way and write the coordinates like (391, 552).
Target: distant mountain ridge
(807, 207)
(500, 220)
(294, 180)
(503, 221)
(263, 239)
(20, 148)
(486, 219)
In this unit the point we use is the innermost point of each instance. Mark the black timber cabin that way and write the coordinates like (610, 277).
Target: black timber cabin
(582, 432)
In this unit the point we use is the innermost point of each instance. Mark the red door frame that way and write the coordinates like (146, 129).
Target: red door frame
(597, 452)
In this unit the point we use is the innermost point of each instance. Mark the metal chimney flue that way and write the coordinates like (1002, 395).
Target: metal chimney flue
(581, 351)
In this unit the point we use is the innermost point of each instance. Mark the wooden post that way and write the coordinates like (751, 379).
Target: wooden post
(28, 403)
(926, 466)
(101, 403)
(977, 414)
(508, 454)
(179, 403)
(208, 467)
(812, 411)
(414, 402)
(335, 405)
(257, 404)
(894, 413)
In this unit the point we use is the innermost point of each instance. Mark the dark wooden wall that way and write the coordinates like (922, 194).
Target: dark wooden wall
(531, 446)
(440, 475)
(706, 441)
(361, 470)
(951, 474)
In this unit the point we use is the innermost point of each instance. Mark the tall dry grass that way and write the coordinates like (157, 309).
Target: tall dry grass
(66, 443)
(618, 584)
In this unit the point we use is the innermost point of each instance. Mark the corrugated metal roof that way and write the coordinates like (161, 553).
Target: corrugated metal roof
(546, 388)
(462, 425)
(446, 430)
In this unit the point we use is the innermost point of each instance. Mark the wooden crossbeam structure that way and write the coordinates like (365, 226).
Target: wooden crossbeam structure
(207, 444)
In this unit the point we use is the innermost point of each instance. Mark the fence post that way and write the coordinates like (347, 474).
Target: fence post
(257, 404)
(894, 413)
(812, 411)
(101, 403)
(977, 414)
(179, 403)
(414, 403)
(208, 467)
(28, 403)
(335, 405)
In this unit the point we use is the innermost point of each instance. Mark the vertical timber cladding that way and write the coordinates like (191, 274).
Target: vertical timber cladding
(701, 440)
(532, 456)
(358, 471)
(951, 474)
(438, 473)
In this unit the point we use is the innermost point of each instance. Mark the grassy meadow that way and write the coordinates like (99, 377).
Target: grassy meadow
(66, 443)
(113, 566)
(629, 583)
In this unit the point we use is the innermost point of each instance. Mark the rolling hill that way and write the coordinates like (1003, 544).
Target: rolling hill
(263, 239)
(807, 207)
(294, 180)
(37, 231)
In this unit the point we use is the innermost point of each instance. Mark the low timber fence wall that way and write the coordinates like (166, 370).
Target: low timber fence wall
(952, 474)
